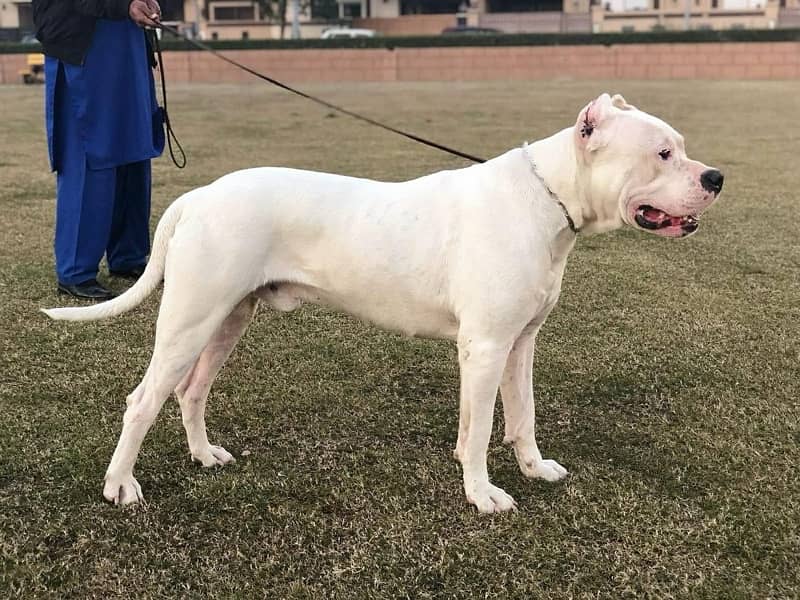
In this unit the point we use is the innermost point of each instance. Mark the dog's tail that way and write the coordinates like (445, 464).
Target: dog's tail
(144, 286)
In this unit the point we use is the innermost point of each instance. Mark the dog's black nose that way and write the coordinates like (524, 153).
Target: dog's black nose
(711, 180)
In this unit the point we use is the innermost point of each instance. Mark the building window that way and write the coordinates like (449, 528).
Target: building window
(325, 9)
(352, 11)
(171, 10)
(25, 15)
(214, 35)
(656, 4)
(429, 7)
(714, 3)
(245, 35)
(234, 13)
(500, 6)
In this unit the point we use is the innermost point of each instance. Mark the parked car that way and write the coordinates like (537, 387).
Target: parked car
(346, 32)
(470, 30)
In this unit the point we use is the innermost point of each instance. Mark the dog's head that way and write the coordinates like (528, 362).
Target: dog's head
(638, 171)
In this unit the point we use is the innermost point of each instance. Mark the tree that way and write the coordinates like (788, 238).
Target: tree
(274, 11)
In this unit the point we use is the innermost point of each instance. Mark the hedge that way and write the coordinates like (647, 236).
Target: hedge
(524, 39)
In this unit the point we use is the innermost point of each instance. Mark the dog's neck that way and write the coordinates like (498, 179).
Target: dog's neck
(556, 161)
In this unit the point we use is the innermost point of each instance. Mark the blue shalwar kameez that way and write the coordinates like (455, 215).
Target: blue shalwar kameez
(103, 127)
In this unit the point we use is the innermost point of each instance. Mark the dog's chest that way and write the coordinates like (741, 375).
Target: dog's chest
(548, 285)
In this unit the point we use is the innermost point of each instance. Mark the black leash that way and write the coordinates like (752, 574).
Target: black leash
(288, 88)
(170, 134)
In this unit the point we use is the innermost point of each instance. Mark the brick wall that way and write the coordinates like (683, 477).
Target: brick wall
(752, 60)
(10, 66)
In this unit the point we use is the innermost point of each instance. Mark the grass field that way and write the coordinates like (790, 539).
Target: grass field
(666, 381)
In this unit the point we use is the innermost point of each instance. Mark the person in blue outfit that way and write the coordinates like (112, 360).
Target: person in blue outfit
(103, 127)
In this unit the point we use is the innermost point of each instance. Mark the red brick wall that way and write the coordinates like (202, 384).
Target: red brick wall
(753, 60)
(756, 60)
(10, 66)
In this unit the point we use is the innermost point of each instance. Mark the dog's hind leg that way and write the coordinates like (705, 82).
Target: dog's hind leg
(183, 330)
(193, 391)
(516, 390)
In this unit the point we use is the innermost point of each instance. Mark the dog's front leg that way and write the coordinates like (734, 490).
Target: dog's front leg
(481, 362)
(516, 389)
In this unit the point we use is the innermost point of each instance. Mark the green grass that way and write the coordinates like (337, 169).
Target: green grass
(666, 381)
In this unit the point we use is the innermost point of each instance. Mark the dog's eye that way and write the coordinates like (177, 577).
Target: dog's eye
(665, 154)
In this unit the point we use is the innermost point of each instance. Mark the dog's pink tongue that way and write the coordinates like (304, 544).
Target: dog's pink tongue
(654, 215)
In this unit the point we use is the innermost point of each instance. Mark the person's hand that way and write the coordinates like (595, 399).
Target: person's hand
(145, 13)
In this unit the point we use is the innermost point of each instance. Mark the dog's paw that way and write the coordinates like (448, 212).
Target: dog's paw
(544, 468)
(214, 456)
(122, 490)
(489, 498)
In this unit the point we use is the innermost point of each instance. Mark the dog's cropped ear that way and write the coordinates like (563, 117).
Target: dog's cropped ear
(589, 127)
(620, 102)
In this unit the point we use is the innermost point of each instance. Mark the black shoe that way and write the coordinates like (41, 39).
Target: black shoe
(132, 274)
(88, 290)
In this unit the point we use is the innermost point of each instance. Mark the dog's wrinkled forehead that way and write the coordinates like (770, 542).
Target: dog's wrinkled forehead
(652, 130)
(610, 120)
(657, 129)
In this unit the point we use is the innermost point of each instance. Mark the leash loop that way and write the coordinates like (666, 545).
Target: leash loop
(170, 133)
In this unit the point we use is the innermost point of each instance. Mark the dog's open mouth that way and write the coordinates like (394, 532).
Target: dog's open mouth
(654, 219)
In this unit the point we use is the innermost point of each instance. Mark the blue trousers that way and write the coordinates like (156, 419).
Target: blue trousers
(98, 211)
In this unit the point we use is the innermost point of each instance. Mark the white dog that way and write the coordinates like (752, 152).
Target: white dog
(474, 255)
